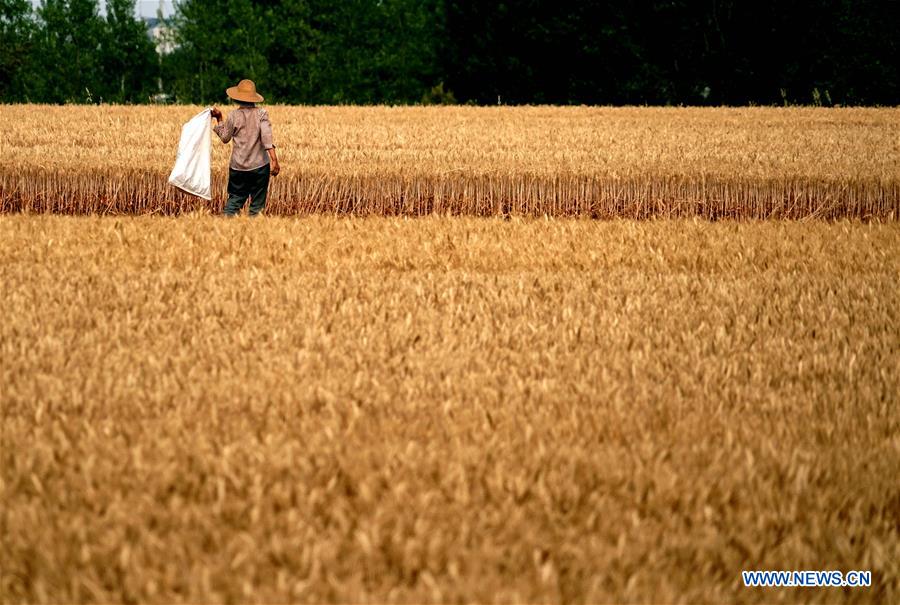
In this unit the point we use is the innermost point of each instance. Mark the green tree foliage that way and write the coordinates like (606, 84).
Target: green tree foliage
(673, 51)
(307, 51)
(291, 52)
(128, 57)
(375, 51)
(65, 51)
(16, 32)
(219, 42)
(715, 52)
(68, 52)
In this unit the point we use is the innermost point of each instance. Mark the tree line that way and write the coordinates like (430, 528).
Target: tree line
(715, 52)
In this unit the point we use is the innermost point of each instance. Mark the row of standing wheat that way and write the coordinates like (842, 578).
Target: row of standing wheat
(595, 162)
(136, 192)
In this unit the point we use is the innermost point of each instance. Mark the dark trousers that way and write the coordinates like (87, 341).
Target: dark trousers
(247, 183)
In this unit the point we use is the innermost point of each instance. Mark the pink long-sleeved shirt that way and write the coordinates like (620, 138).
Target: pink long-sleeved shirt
(251, 131)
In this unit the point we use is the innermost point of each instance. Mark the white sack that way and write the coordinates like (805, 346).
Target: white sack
(192, 172)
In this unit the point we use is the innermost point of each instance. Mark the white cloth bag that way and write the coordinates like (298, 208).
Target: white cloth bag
(192, 172)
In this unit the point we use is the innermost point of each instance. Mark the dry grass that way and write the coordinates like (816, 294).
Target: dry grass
(597, 162)
(446, 409)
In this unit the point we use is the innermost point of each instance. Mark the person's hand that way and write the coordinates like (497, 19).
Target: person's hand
(275, 168)
(214, 112)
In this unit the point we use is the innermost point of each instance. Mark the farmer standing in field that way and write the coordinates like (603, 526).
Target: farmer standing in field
(253, 156)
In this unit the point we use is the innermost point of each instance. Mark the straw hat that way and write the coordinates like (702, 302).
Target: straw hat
(245, 91)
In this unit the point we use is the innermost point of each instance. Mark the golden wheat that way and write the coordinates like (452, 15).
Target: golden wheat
(445, 410)
(596, 162)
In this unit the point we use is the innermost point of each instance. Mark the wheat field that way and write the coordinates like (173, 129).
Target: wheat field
(749, 163)
(445, 409)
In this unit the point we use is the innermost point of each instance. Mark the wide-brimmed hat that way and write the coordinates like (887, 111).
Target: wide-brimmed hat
(245, 91)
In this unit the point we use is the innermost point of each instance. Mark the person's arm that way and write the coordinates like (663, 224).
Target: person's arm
(265, 134)
(275, 167)
(223, 128)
